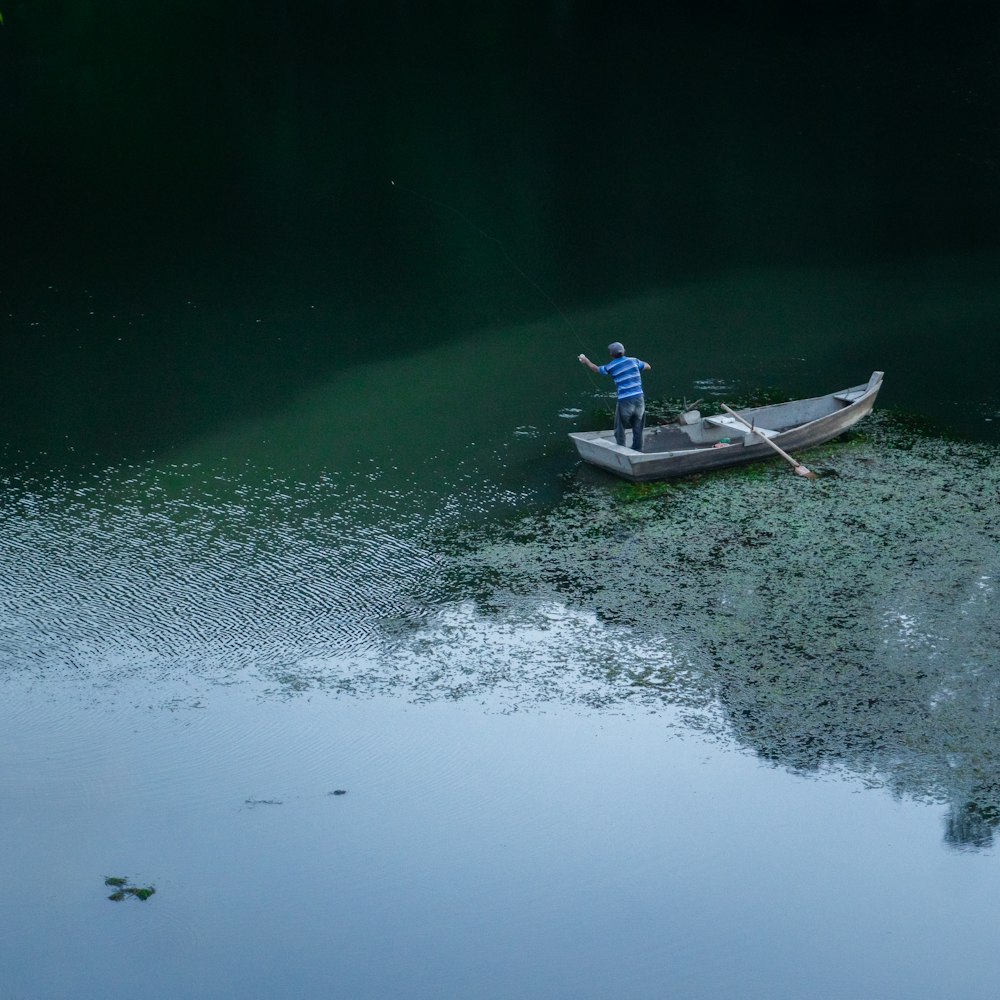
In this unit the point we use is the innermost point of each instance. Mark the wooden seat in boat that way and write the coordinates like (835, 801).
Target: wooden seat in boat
(731, 423)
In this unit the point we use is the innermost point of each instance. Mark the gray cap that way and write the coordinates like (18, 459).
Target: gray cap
(615, 349)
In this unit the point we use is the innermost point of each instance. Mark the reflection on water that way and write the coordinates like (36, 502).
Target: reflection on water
(305, 429)
(533, 854)
(565, 728)
(556, 701)
(197, 574)
(848, 623)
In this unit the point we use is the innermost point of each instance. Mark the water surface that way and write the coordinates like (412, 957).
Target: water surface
(292, 301)
(574, 719)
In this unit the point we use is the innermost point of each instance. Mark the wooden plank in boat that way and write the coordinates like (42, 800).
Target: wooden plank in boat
(731, 423)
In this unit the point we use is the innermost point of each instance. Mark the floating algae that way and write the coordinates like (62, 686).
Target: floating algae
(124, 889)
(844, 624)
(848, 623)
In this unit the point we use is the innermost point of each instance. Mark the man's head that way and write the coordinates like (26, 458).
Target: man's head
(616, 350)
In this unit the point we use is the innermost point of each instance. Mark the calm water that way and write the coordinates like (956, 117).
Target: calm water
(289, 509)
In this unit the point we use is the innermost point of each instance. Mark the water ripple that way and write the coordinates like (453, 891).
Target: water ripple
(126, 575)
(846, 622)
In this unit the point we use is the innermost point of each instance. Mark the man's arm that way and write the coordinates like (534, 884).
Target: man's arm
(584, 360)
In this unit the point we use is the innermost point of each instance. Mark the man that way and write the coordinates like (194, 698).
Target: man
(631, 408)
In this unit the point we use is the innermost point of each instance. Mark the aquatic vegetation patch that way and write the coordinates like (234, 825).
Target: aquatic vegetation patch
(849, 623)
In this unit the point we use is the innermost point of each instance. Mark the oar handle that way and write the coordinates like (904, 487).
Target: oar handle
(784, 454)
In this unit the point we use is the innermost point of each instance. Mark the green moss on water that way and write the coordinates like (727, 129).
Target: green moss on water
(635, 492)
(845, 623)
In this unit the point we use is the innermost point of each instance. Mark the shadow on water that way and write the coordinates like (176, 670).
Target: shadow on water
(103, 378)
(126, 375)
(209, 187)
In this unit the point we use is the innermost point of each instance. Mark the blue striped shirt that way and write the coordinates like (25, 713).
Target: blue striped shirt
(626, 373)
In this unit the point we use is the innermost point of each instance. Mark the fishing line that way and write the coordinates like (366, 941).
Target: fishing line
(503, 251)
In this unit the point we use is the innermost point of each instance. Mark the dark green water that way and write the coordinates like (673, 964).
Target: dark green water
(291, 299)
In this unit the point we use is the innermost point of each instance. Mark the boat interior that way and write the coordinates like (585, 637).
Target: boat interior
(692, 430)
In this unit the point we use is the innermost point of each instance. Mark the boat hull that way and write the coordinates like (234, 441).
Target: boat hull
(711, 443)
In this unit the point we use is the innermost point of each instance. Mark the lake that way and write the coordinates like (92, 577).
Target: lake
(312, 622)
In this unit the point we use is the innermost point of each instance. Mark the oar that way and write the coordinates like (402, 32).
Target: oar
(800, 469)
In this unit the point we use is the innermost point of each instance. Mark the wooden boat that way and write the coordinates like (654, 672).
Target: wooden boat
(700, 444)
